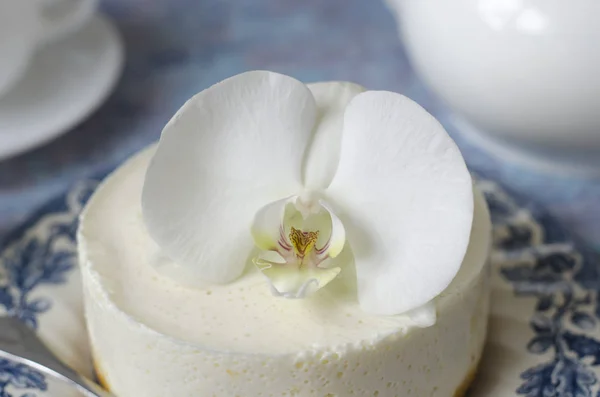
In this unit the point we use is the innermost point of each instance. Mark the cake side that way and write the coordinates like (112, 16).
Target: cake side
(437, 361)
(396, 358)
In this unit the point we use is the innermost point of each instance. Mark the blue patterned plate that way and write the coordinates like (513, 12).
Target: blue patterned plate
(544, 333)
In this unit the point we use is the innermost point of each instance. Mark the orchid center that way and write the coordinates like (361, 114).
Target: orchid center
(299, 240)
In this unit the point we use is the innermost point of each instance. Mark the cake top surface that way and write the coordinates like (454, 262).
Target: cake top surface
(241, 316)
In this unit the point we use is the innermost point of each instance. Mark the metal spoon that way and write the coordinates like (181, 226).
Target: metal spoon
(20, 344)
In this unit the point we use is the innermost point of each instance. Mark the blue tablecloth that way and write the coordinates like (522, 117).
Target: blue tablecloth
(176, 48)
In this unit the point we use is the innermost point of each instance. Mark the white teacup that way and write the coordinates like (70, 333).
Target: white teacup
(26, 25)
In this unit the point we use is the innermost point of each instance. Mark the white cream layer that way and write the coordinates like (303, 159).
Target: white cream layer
(154, 337)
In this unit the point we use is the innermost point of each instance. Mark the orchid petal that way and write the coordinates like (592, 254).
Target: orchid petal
(407, 202)
(337, 236)
(324, 153)
(229, 150)
(292, 282)
(267, 229)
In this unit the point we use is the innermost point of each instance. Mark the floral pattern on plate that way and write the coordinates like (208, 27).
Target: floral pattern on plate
(543, 263)
(37, 260)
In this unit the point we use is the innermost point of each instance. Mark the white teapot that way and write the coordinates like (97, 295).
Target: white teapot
(526, 72)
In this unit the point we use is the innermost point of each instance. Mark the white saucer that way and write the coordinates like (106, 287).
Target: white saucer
(65, 83)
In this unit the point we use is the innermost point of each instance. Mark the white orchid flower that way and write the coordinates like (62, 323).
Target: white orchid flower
(301, 172)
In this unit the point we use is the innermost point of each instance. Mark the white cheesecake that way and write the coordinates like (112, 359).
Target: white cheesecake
(154, 337)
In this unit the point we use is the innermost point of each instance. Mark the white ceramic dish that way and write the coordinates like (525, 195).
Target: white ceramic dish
(544, 328)
(522, 72)
(65, 83)
(26, 26)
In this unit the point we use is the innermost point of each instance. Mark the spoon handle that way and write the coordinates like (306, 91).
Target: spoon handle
(20, 344)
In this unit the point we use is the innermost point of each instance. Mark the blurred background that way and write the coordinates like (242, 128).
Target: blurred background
(110, 85)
